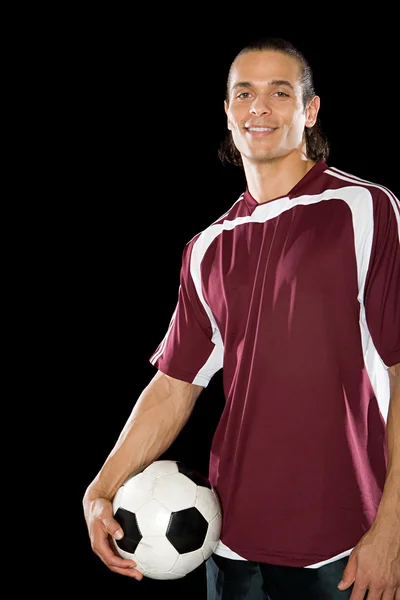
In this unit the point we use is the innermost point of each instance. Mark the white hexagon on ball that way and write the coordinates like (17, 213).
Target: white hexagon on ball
(156, 555)
(159, 468)
(188, 562)
(153, 518)
(135, 492)
(207, 502)
(175, 491)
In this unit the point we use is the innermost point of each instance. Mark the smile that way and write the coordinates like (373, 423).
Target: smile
(260, 129)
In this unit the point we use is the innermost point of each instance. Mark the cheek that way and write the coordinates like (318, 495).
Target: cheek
(296, 126)
(234, 120)
(231, 123)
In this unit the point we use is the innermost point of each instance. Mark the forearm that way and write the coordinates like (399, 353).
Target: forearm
(158, 416)
(390, 502)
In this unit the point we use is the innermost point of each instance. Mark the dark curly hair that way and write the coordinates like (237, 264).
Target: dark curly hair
(317, 145)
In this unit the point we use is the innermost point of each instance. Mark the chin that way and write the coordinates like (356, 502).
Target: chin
(264, 155)
(272, 153)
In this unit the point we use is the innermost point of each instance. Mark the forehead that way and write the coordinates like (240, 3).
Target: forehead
(259, 67)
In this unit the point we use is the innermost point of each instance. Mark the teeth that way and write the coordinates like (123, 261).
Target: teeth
(260, 129)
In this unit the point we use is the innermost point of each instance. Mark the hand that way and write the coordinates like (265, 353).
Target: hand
(374, 565)
(102, 527)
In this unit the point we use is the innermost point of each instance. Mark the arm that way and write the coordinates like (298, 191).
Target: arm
(158, 416)
(374, 563)
(379, 548)
(390, 501)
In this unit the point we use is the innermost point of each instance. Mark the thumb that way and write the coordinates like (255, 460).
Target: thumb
(113, 528)
(105, 513)
(349, 574)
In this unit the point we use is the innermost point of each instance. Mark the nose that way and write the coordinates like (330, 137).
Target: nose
(259, 107)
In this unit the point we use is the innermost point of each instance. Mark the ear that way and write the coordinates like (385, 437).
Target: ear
(226, 112)
(312, 111)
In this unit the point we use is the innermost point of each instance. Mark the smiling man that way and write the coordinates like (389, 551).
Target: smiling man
(295, 293)
(266, 113)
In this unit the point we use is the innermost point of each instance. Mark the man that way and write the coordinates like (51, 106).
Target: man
(295, 293)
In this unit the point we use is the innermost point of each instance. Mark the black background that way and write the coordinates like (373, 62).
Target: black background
(139, 177)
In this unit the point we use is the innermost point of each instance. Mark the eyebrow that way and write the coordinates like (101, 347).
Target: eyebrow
(276, 82)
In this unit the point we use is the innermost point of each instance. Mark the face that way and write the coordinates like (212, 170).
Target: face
(265, 111)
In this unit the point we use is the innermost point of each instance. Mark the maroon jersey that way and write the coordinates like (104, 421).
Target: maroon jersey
(298, 301)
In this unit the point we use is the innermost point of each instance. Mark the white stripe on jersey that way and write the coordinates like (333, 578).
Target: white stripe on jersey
(352, 178)
(360, 180)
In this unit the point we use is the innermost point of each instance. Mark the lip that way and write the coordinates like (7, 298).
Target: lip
(265, 131)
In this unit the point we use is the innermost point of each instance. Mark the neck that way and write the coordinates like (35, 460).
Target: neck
(276, 177)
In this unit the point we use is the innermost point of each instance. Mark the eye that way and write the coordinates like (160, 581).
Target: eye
(243, 95)
(281, 94)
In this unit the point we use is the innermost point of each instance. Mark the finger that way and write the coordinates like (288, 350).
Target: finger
(133, 573)
(345, 583)
(392, 593)
(121, 565)
(389, 593)
(104, 548)
(349, 573)
(105, 531)
(127, 568)
(359, 591)
(113, 546)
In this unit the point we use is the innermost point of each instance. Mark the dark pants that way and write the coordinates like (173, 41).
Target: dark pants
(229, 579)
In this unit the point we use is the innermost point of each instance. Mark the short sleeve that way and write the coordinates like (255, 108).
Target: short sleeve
(382, 285)
(188, 350)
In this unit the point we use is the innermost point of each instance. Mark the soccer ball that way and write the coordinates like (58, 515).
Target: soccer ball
(171, 517)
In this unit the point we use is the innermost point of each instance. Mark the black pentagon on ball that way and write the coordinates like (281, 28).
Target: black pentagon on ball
(129, 524)
(187, 530)
(194, 476)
